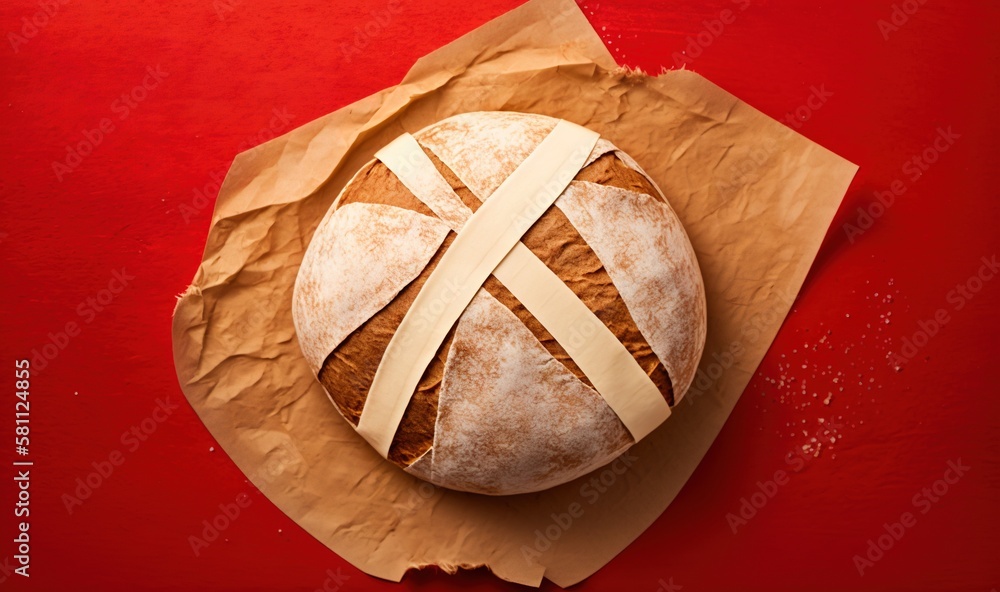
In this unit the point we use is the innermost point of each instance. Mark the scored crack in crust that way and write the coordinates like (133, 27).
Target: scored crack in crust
(349, 370)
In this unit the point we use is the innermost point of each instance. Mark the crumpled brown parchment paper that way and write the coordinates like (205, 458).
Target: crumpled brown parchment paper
(755, 197)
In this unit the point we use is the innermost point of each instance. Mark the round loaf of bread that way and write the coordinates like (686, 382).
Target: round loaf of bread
(502, 407)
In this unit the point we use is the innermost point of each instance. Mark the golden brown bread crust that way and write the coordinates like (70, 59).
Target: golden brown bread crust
(349, 370)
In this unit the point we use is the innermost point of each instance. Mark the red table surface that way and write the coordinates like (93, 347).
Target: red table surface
(226, 71)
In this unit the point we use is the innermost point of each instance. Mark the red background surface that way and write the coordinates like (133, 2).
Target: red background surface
(229, 68)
